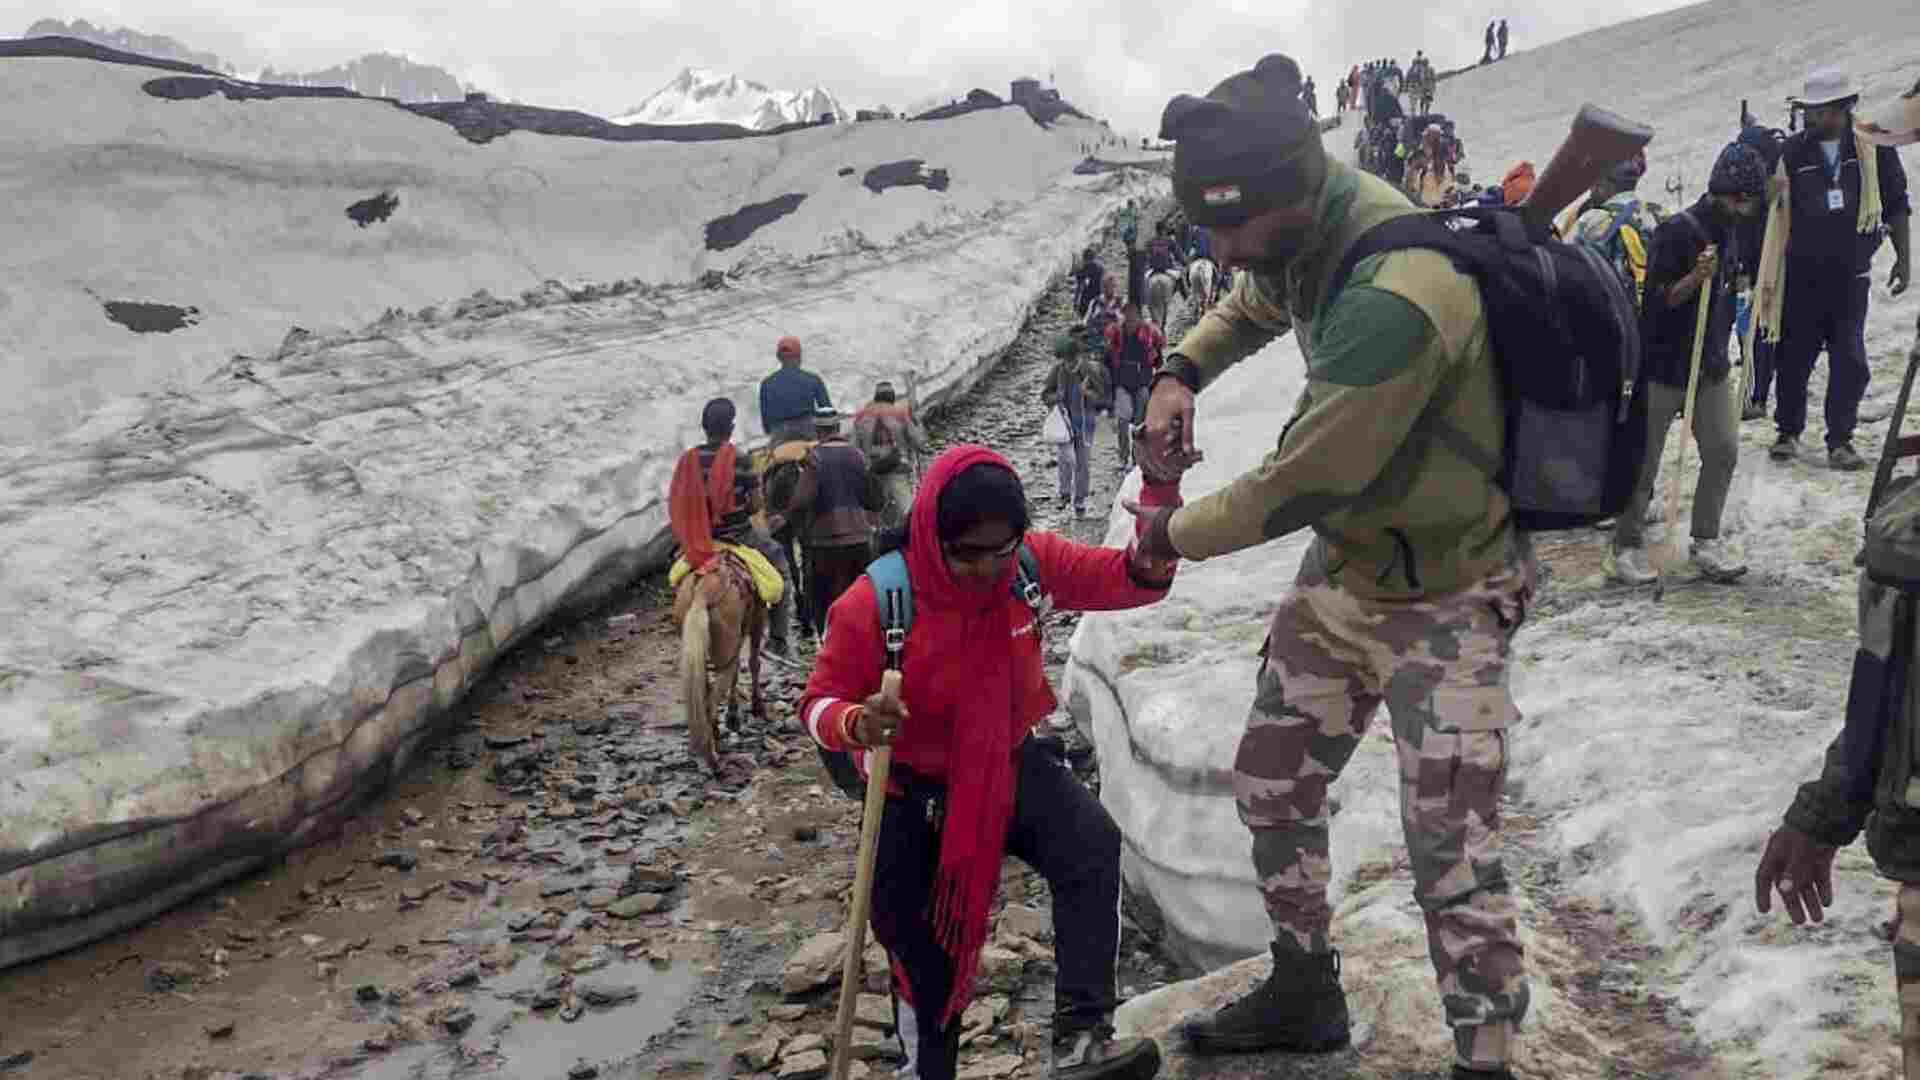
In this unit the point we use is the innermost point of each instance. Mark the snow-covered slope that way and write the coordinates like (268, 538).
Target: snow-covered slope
(699, 96)
(239, 210)
(234, 603)
(1661, 741)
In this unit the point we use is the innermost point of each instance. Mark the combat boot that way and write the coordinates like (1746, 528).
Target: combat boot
(1300, 1009)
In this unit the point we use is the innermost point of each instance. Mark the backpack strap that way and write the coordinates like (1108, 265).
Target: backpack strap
(1026, 581)
(894, 590)
(1621, 218)
(1468, 250)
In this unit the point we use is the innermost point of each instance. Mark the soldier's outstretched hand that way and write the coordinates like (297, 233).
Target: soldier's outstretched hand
(1801, 868)
(1169, 420)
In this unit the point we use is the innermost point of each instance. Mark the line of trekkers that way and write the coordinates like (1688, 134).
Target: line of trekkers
(1422, 463)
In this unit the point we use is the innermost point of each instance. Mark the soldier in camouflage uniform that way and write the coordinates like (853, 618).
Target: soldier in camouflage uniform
(1871, 777)
(1414, 586)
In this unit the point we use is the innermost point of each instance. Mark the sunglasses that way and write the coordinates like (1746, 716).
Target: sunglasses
(976, 553)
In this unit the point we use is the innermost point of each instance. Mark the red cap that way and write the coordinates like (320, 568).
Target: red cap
(789, 346)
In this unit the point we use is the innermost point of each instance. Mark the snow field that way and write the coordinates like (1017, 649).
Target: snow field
(237, 209)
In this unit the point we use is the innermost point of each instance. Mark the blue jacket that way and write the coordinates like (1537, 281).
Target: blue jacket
(1825, 241)
(791, 394)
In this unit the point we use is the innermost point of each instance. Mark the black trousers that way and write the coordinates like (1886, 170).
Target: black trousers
(1060, 830)
(1829, 313)
(830, 572)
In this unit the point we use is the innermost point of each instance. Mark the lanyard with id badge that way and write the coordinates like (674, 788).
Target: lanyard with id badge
(1836, 196)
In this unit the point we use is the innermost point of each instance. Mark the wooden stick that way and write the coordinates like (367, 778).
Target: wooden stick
(1707, 289)
(851, 973)
(1897, 445)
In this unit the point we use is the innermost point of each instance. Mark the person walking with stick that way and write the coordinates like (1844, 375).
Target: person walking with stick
(1686, 321)
(954, 608)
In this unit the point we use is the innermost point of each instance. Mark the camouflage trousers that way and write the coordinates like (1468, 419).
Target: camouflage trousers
(1440, 666)
(1906, 975)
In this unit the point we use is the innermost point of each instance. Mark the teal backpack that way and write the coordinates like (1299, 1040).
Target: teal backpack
(893, 588)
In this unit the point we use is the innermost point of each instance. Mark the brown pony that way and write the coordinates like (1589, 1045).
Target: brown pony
(719, 611)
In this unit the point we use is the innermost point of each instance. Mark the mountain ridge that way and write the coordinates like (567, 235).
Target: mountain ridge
(710, 96)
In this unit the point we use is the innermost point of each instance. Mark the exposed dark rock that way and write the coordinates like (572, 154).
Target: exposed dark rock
(195, 87)
(398, 860)
(145, 318)
(975, 100)
(909, 173)
(378, 208)
(39, 42)
(733, 229)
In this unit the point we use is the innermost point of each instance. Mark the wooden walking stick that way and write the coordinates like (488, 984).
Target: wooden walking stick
(1680, 459)
(851, 973)
(1896, 446)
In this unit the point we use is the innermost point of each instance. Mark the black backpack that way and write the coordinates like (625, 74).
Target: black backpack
(1566, 342)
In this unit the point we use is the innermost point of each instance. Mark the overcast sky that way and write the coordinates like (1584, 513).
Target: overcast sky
(1119, 60)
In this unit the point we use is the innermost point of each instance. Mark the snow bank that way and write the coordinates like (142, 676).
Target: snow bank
(235, 604)
(1164, 690)
(238, 209)
(1661, 741)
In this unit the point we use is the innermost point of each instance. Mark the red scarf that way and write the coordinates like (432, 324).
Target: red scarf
(980, 773)
(693, 501)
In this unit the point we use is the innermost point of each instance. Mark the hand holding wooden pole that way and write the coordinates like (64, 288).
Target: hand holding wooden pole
(851, 974)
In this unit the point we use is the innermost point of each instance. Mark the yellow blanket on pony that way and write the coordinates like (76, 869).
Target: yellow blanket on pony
(766, 580)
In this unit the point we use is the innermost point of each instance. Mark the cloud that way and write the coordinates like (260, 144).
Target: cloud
(1121, 59)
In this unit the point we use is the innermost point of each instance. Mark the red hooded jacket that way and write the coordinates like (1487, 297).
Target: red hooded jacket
(974, 684)
(941, 658)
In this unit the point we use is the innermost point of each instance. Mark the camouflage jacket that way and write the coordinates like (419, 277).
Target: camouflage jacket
(1869, 780)
(1391, 451)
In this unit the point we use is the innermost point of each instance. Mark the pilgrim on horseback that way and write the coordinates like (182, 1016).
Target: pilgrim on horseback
(724, 579)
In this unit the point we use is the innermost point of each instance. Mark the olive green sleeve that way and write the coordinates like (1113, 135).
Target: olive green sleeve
(1822, 807)
(1241, 324)
(1376, 361)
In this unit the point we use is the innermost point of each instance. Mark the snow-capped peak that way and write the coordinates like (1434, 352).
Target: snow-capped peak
(704, 96)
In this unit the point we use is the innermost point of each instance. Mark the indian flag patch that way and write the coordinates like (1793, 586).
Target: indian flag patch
(1222, 195)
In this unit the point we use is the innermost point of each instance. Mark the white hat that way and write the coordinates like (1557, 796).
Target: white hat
(1829, 86)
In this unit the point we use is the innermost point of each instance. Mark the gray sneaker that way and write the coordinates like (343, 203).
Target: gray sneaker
(1845, 458)
(1094, 1054)
(1629, 566)
(1714, 562)
(1754, 410)
(1785, 448)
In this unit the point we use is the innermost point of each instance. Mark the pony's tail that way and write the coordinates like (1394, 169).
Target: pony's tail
(694, 633)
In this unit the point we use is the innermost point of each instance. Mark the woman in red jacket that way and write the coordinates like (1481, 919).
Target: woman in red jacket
(968, 786)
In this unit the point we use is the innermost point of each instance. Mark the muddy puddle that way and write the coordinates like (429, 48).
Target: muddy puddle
(517, 1019)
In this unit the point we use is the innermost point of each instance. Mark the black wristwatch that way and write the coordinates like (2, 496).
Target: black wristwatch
(1177, 366)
